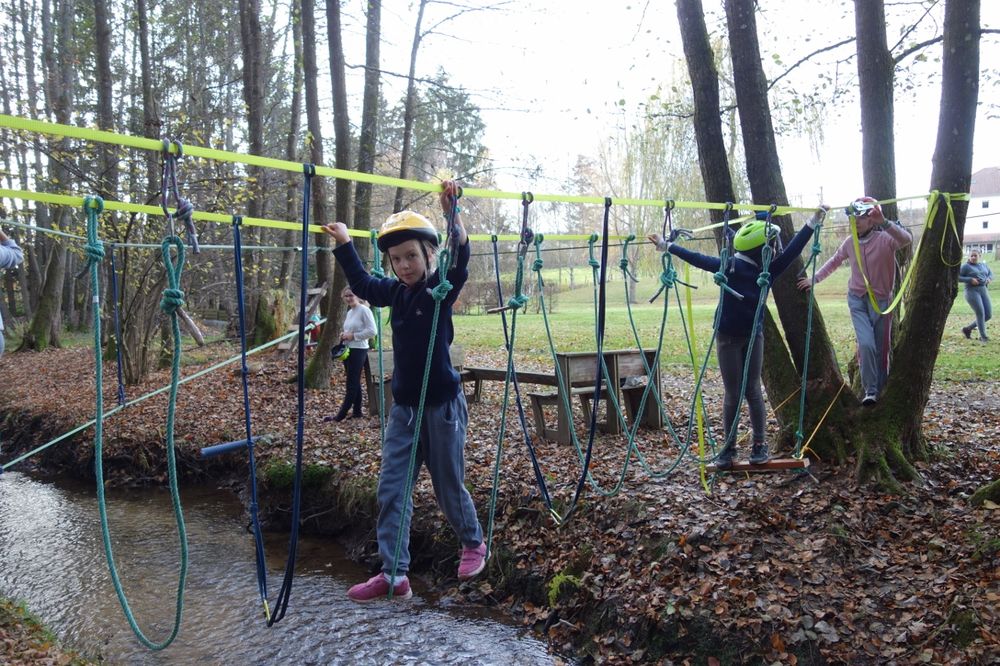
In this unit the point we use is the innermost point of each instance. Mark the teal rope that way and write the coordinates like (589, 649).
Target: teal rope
(379, 273)
(173, 298)
(816, 249)
(563, 391)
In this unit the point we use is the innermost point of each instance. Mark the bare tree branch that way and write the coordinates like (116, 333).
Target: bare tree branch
(934, 40)
(807, 57)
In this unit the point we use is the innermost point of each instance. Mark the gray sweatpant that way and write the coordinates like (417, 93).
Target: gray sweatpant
(872, 331)
(978, 299)
(732, 352)
(442, 448)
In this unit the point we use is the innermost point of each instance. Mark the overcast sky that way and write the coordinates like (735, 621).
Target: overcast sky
(549, 75)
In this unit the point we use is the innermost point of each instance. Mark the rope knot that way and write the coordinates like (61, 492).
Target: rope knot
(720, 278)
(517, 302)
(763, 279)
(441, 291)
(94, 252)
(667, 278)
(184, 209)
(173, 299)
(594, 263)
(537, 265)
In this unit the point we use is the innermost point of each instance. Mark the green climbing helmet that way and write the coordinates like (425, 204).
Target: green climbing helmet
(340, 352)
(753, 234)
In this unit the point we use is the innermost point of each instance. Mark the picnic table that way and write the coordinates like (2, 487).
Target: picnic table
(579, 370)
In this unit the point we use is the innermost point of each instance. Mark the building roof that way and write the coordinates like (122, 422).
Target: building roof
(986, 182)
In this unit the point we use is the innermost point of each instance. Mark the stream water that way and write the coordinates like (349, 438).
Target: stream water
(51, 556)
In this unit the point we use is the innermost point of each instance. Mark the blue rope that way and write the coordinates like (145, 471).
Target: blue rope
(281, 605)
(602, 302)
(244, 374)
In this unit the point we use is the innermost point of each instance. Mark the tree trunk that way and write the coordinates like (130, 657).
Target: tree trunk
(320, 364)
(369, 124)
(253, 97)
(45, 327)
(783, 365)
(875, 81)
(935, 280)
(318, 373)
(700, 59)
(409, 108)
(291, 149)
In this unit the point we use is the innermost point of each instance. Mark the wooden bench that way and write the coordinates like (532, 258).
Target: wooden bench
(478, 375)
(560, 433)
(381, 385)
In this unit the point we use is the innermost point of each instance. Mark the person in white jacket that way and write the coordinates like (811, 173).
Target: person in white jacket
(10, 256)
(359, 327)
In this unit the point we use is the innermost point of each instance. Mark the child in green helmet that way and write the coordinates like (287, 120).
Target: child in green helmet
(739, 330)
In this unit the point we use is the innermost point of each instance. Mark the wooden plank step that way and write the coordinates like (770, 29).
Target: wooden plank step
(769, 466)
(315, 290)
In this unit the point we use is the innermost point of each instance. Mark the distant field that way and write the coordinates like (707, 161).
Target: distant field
(573, 321)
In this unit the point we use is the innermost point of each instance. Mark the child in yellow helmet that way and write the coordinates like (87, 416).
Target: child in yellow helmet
(411, 242)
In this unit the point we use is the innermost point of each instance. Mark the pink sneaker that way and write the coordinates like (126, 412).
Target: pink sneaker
(378, 587)
(473, 561)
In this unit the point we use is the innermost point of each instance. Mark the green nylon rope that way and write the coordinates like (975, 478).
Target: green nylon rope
(816, 248)
(172, 299)
(562, 382)
(378, 272)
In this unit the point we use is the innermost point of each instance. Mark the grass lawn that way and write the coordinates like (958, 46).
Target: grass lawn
(573, 325)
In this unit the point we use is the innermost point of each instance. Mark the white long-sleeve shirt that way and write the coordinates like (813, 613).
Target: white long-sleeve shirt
(359, 321)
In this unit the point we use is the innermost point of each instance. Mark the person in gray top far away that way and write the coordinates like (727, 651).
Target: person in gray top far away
(10, 256)
(976, 277)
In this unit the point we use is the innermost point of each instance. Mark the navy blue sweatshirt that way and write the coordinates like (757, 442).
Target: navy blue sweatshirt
(412, 315)
(737, 315)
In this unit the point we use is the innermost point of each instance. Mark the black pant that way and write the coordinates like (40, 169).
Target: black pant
(353, 365)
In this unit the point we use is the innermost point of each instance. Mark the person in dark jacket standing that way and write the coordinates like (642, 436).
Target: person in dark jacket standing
(411, 242)
(976, 276)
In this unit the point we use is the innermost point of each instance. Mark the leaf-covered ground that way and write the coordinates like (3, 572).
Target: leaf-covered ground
(783, 568)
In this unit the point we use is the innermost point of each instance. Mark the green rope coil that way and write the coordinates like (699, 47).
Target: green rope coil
(171, 302)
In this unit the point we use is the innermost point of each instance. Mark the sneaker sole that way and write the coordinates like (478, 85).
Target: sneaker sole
(473, 574)
(401, 597)
(759, 461)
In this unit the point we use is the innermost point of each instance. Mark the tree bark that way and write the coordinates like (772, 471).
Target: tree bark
(875, 82)
(46, 325)
(318, 372)
(410, 107)
(935, 280)
(292, 148)
(783, 366)
(369, 124)
(253, 97)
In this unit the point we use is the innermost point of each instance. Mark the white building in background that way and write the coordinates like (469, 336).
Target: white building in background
(982, 222)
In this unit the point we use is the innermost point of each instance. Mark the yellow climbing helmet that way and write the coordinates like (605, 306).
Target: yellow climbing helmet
(753, 235)
(403, 226)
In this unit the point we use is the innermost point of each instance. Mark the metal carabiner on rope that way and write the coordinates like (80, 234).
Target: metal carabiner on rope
(527, 235)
